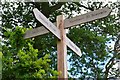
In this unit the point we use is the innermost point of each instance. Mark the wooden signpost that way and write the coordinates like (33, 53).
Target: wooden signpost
(52, 28)
(59, 32)
(90, 16)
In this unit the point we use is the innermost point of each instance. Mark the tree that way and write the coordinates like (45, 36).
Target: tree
(21, 61)
(90, 37)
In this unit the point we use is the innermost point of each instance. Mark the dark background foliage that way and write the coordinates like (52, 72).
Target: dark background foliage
(92, 38)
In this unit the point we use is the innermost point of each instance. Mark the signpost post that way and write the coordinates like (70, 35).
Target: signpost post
(61, 50)
(59, 32)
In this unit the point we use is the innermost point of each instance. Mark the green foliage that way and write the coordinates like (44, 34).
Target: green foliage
(31, 58)
(0, 64)
(21, 61)
(93, 53)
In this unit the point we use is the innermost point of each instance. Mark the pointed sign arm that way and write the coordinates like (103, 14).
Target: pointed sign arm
(48, 25)
(72, 46)
(90, 16)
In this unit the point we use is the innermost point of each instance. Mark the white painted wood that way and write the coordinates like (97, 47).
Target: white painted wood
(72, 46)
(48, 24)
(90, 16)
(35, 32)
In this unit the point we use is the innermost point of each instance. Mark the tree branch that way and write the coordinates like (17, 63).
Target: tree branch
(80, 5)
(110, 64)
(57, 6)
